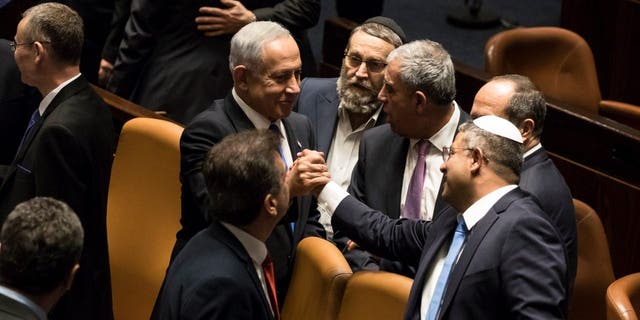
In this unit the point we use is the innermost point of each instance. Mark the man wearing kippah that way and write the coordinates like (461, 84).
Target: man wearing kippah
(341, 109)
(500, 258)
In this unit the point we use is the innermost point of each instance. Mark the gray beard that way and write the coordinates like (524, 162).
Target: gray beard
(355, 99)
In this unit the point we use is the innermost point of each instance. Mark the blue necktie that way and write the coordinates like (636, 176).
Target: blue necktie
(449, 261)
(35, 117)
(274, 128)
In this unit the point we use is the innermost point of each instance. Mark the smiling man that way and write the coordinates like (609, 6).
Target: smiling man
(265, 65)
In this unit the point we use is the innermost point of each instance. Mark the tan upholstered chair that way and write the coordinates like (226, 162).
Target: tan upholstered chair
(317, 283)
(623, 298)
(595, 272)
(143, 213)
(560, 63)
(375, 296)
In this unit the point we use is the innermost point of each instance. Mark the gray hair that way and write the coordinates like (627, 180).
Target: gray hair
(527, 102)
(247, 43)
(503, 154)
(379, 31)
(58, 25)
(426, 66)
(41, 242)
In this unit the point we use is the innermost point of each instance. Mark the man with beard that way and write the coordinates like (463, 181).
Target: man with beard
(398, 163)
(341, 109)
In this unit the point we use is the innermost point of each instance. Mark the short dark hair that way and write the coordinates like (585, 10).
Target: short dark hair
(41, 242)
(240, 171)
(505, 154)
(58, 24)
(527, 102)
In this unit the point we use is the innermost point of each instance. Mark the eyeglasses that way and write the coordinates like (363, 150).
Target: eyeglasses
(14, 45)
(447, 152)
(372, 65)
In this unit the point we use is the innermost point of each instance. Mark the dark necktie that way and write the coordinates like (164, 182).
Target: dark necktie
(274, 128)
(35, 117)
(452, 256)
(416, 184)
(270, 279)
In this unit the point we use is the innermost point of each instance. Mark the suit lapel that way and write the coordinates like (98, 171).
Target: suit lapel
(238, 118)
(326, 120)
(395, 170)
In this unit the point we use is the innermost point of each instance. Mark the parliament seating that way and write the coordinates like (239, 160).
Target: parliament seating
(318, 281)
(143, 213)
(375, 295)
(623, 298)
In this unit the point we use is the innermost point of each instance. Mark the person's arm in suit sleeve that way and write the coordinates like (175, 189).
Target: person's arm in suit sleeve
(292, 14)
(396, 239)
(147, 16)
(112, 43)
(534, 271)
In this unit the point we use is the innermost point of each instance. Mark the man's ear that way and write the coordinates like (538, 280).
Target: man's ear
(478, 160)
(68, 281)
(39, 50)
(240, 74)
(271, 204)
(421, 101)
(526, 128)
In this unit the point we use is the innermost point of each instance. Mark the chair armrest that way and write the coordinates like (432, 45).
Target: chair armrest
(626, 113)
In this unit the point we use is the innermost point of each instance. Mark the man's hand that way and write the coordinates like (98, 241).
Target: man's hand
(104, 73)
(308, 173)
(219, 21)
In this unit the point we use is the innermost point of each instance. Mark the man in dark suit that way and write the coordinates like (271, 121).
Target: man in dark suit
(265, 66)
(41, 246)
(418, 93)
(501, 258)
(342, 108)
(17, 102)
(166, 63)
(219, 274)
(67, 150)
(515, 98)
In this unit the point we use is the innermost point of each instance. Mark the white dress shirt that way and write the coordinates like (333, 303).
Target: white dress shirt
(46, 101)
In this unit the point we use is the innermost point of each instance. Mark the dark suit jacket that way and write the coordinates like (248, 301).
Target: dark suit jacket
(319, 101)
(165, 63)
(513, 265)
(16, 306)
(17, 102)
(541, 178)
(223, 118)
(68, 156)
(377, 181)
(213, 277)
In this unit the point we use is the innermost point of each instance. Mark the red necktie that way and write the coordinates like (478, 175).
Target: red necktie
(267, 267)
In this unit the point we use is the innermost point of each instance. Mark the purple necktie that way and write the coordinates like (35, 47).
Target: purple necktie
(414, 194)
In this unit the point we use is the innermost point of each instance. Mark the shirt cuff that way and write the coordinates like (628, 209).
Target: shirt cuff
(331, 196)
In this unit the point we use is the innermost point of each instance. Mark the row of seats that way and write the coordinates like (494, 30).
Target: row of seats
(143, 215)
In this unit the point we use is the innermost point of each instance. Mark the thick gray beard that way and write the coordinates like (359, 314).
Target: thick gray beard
(354, 100)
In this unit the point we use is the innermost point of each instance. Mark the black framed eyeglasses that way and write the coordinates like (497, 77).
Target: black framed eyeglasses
(354, 61)
(14, 45)
(447, 152)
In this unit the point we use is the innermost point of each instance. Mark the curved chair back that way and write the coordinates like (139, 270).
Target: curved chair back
(558, 61)
(143, 213)
(595, 272)
(375, 295)
(318, 281)
(623, 298)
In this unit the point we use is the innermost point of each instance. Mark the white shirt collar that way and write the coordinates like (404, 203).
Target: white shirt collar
(257, 249)
(46, 101)
(344, 116)
(259, 121)
(444, 136)
(479, 209)
(532, 150)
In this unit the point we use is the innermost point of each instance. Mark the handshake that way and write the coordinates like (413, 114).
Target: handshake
(308, 173)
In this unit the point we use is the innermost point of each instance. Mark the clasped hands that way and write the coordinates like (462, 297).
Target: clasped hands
(308, 173)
